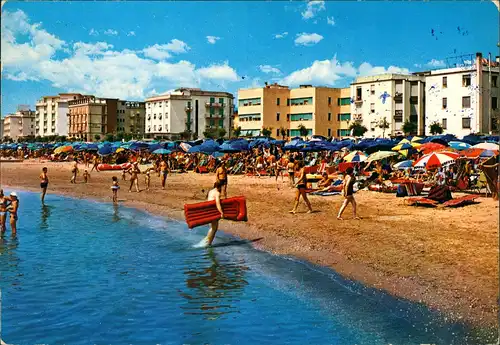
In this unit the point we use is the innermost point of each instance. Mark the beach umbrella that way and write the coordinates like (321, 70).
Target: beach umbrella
(487, 146)
(217, 154)
(458, 145)
(62, 149)
(436, 159)
(488, 153)
(380, 155)
(431, 147)
(404, 164)
(162, 152)
(355, 156)
(185, 147)
(406, 146)
(471, 152)
(105, 150)
(120, 149)
(415, 139)
(404, 141)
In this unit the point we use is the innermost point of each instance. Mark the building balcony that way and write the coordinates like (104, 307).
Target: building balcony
(357, 117)
(213, 116)
(398, 97)
(358, 100)
(213, 105)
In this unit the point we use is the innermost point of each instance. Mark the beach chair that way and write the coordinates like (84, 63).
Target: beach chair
(479, 183)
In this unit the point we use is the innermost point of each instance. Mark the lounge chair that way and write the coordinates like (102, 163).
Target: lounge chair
(479, 183)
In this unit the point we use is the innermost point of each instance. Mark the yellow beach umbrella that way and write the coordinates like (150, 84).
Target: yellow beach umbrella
(120, 149)
(62, 149)
(406, 146)
(416, 139)
(404, 141)
(355, 156)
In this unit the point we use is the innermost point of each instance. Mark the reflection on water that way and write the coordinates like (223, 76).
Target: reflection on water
(116, 214)
(8, 250)
(213, 285)
(44, 217)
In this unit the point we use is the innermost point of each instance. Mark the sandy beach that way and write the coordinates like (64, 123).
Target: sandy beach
(446, 258)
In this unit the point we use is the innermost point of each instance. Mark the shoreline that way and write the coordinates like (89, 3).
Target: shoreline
(458, 303)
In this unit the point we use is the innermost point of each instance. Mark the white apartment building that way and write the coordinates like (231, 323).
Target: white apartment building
(464, 100)
(396, 97)
(52, 114)
(20, 124)
(188, 110)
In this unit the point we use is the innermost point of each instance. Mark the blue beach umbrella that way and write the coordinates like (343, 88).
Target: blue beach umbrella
(404, 164)
(162, 152)
(458, 145)
(488, 153)
(217, 154)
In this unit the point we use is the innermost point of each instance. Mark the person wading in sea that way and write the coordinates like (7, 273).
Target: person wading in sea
(348, 193)
(44, 182)
(4, 201)
(12, 208)
(214, 194)
(221, 178)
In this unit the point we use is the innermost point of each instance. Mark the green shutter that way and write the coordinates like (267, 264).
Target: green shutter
(212, 111)
(212, 100)
(221, 111)
(221, 123)
(212, 122)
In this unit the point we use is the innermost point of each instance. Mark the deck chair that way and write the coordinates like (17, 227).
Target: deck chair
(481, 183)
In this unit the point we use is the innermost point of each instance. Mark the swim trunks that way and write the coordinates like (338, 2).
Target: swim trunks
(44, 184)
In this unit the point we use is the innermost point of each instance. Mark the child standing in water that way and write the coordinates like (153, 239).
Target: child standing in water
(114, 188)
(86, 176)
(44, 182)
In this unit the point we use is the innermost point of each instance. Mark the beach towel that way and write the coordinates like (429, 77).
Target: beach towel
(325, 193)
(440, 194)
(464, 200)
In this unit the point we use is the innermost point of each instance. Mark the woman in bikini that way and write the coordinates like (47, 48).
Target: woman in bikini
(291, 172)
(221, 178)
(348, 193)
(12, 208)
(163, 172)
(301, 189)
(74, 171)
(44, 182)
(4, 201)
(134, 178)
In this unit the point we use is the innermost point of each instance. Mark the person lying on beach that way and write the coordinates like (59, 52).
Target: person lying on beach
(12, 209)
(214, 194)
(44, 182)
(325, 181)
(114, 188)
(86, 176)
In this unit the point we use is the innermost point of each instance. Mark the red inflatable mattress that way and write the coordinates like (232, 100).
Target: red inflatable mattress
(103, 167)
(206, 212)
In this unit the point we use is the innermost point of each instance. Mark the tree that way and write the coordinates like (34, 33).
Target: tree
(185, 135)
(120, 136)
(267, 131)
(436, 128)
(110, 137)
(410, 127)
(237, 132)
(222, 132)
(97, 137)
(357, 128)
(127, 136)
(383, 124)
(283, 132)
(303, 130)
(210, 134)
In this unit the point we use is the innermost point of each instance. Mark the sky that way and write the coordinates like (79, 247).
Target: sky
(134, 50)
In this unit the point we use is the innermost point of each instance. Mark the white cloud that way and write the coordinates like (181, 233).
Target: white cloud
(111, 32)
(93, 32)
(417, 65)
(282, 35)
(131, 33)
(97, 68)
(163, 51)
(269, 69)
(328, 72)
(212, 39)
(313, 8)
(436, 63)
(330, 21)
(304, 39)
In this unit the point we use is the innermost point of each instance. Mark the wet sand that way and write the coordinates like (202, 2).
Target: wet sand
(446, 258)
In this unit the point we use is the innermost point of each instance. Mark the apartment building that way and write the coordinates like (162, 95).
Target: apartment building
(276, 106)
(20, 124)
(344, 117)
(397, 98)
(131, 118)
(188, 111)
(91, 118)
(464, 99)
(51, 116)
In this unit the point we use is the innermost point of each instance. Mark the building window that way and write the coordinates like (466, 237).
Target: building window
(329, 101)
(494, 80)
(344, 117)
(329, 116)
(445, 82)
(444, 123)
(212, 100)
(372, 108)
(494, 103)
(278, 131)
(288, 101)
(359, 93)
(329, 132)
(277, 116)
(302, 117)
(343, 101)
(466, 81)
(466, 122)
(277, 101)
(221, 100)
(445, 103)
(466, 102)
(372, 89)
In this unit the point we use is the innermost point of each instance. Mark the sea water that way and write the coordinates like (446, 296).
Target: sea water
(82, 272)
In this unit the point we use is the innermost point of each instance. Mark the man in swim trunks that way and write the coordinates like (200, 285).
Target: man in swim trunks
(348, 193)
(12, 208)
(44, 182)
(221, 178)
(259, 164)
(163, 173)
(74, 170)
(214, 194)
(96, 163)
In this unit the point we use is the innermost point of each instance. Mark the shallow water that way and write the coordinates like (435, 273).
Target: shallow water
(82, 272)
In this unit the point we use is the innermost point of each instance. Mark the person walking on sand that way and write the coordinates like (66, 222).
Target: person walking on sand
(44, 182)
(95, 163)
(301, 189)
(12, 208)
(114, 188)
(163, 173)
(86, 176)
(134, 178)
(214, 194)
(147, 179)
(221, 178)
(74, 170)
(348, 193)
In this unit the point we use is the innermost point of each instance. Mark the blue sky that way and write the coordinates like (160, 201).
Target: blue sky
(132, 50)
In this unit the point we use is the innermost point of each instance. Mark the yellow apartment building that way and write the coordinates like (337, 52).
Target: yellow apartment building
(344, 116)
(322, 110)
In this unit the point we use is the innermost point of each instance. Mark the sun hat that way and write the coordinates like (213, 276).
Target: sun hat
(13, 194)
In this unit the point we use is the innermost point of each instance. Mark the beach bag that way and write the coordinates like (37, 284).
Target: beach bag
(401, 192)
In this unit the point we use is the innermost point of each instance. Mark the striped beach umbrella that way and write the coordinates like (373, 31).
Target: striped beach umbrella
(404, 164)
(406, 146)
(487, 146)
(63, 149)
(436, 159)
(431, 147)
(355, 156)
